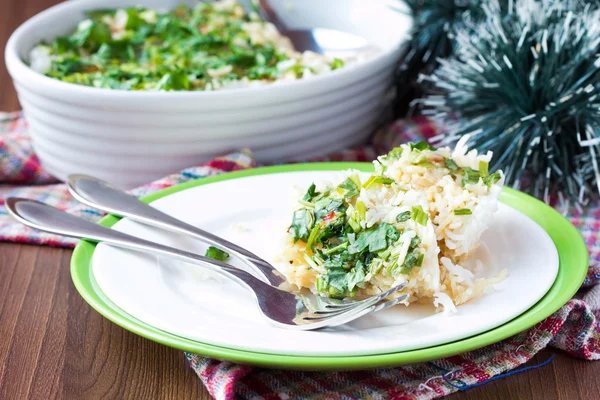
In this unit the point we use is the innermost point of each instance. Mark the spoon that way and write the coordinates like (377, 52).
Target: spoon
(329, 42)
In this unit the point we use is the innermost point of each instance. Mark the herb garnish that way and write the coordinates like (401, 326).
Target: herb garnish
(209, 46)
(216, 254)
(462, 211)
(419, 215)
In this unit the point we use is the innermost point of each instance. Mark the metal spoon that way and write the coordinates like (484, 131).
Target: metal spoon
(329, 42)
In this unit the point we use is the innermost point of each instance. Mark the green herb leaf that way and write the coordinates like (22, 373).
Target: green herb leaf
(175, 80)
(374, 240)
(91, 34)
(412, 260)
(493, 178)
(326, 206)
(355, 276)
(302, 224)
(470, 176)
(451, 165)
(462, 211)
(216, 254)
(336, 276)
(394, 154)
(350, 188)
(419, 216)
(337, 64)
(421, 146)
(310, 193)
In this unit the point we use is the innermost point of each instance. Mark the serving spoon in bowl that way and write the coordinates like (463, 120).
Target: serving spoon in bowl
(281, 308)
(329, 42)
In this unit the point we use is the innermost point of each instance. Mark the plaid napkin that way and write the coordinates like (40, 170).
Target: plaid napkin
(575, 328)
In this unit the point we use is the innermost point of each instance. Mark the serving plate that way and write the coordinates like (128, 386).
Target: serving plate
(181, 306)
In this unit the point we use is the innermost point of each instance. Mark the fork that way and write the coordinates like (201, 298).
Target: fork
(283, 309)
(99, 194)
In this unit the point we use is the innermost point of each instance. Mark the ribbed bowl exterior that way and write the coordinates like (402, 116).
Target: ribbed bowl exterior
(132, 138)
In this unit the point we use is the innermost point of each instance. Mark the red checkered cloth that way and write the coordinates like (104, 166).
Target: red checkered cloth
(574, 328)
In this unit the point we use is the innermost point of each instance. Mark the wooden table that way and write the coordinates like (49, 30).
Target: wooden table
(53, 345)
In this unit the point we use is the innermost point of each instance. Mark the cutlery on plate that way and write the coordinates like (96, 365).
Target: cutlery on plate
(284, 309)
(99, 194)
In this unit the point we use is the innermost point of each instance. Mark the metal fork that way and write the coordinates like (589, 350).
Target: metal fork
(99, 194)
(281, 308)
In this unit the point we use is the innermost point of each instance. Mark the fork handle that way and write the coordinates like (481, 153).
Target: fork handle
(99, 194)
(49, 219)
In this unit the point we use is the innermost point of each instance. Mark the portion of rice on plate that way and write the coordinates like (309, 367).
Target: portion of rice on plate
(416, 219)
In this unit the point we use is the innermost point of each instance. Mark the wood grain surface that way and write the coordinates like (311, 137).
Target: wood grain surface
(54, 346)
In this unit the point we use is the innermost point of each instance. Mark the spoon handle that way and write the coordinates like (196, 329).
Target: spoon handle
(99, 194)
(49, 219)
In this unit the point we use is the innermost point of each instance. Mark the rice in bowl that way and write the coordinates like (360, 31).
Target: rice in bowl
(415, 220)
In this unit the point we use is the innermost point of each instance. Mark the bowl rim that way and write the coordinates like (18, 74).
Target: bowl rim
(20, 71)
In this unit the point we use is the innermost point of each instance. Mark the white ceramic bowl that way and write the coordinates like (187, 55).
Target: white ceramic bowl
(130, 138)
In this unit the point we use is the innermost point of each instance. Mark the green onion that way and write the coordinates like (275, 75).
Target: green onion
(420, 216)
(362, 210)
(310, 261)
(462, 211)
(470, 176)
(483, 168)
(306, 203)
(335, 249)
(320, 284)
(493, 178)
(337, 63)
(386, 253)
(414, 242)
(216, 254)
(420, 258)
(356, 179)
(377, 179)
(313, 235)
(403, 217)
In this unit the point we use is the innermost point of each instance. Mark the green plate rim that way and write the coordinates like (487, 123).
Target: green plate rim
(573, 263)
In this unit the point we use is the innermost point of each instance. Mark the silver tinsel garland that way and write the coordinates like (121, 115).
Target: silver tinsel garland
(525, 84)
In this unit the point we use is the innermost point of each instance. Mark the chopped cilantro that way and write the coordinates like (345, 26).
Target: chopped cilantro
(135, 48)
(350, 188)
(421, 146)
(310, 193)
(355, 276)
(375, 239)
(302, 223)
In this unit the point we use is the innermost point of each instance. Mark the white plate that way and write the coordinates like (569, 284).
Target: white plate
(184, 300)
